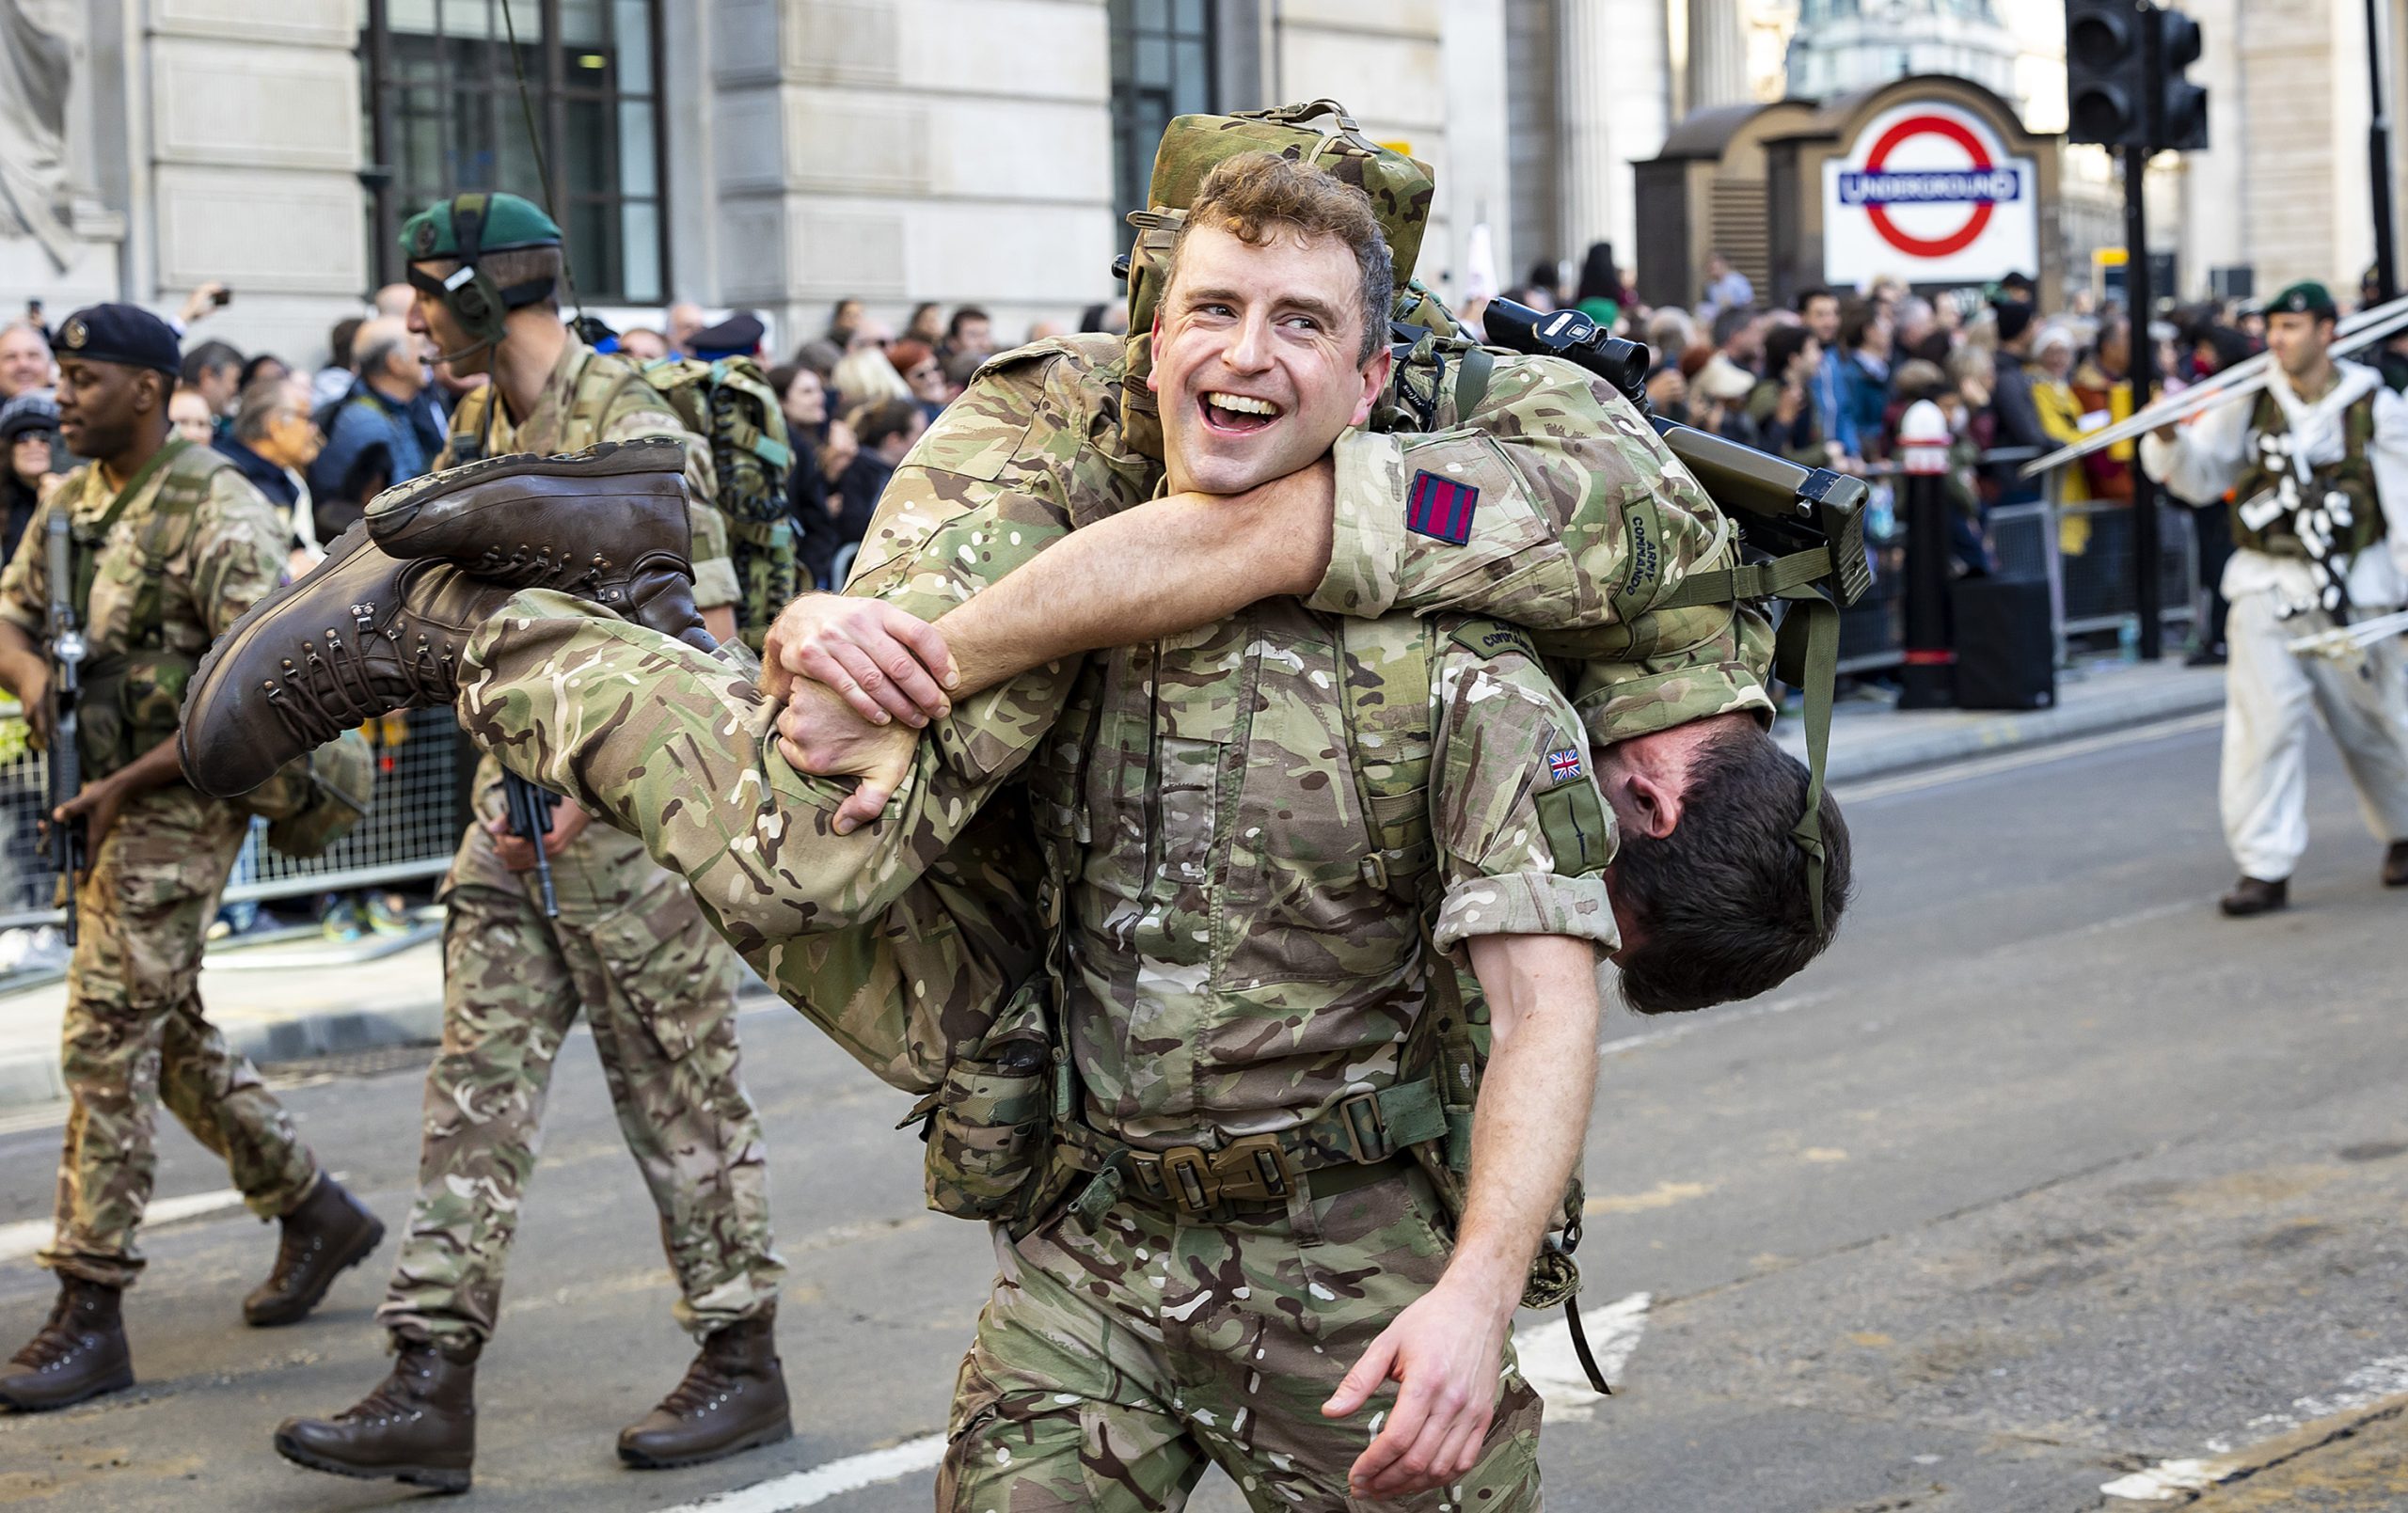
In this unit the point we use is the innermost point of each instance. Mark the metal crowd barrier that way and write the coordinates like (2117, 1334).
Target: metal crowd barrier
(412, 823)
(2083, 548)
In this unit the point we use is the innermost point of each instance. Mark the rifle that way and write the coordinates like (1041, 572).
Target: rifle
(529, 809)
(68, 842)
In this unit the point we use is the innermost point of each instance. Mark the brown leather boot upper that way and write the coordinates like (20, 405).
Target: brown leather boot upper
(78, 1353)
(608, 524)
(733, 1398)
(420, 1425)
(361, 635)
(328, 1231)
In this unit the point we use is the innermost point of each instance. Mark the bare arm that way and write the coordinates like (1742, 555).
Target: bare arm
(1526, 1134)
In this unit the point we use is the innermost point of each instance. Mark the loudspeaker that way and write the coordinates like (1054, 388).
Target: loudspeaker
(2006, 657)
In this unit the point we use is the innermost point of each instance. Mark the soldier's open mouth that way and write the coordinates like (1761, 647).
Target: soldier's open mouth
(1236, 415)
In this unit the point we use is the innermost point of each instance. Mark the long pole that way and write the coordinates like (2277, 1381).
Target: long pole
(2148, 577)
(2379, 158)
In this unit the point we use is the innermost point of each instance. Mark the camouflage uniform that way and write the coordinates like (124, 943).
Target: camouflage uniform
(630, 948)
(1194, 795)
(136, 1034)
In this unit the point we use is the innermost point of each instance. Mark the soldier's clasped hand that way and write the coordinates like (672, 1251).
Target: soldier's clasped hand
(886, 662)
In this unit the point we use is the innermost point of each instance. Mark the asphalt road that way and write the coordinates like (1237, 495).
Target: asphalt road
(2048, 1179)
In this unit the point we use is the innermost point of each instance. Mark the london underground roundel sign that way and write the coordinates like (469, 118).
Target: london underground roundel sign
(1929, 194)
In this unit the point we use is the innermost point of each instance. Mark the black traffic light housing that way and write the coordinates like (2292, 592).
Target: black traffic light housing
(2179, 122)
(2123, 82)
(2107, 77)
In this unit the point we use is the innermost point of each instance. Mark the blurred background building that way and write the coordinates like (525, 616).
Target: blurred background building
(782, 153)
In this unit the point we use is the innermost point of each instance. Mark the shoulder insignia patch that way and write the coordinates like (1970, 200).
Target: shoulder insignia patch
(1565, 766)
(1489, 639)
(1440, 508)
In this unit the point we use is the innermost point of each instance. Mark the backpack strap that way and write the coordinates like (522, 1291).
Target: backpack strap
(89, 540)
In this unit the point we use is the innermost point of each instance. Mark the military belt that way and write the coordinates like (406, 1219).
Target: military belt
(1363, 1133)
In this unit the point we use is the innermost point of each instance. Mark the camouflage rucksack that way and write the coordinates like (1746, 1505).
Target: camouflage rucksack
(729, 403)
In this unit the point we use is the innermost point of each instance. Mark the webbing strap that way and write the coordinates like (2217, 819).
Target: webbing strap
(1472, 371)
(1807, 653)
(88, 561)
(1777, 579)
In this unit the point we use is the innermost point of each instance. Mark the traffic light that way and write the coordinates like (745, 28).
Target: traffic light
(2107, 78)
(2179, 121)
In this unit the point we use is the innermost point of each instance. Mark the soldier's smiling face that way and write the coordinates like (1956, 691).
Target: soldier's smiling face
(1258, 358)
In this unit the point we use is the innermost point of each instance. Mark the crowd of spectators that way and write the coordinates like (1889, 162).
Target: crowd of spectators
(1827, 379)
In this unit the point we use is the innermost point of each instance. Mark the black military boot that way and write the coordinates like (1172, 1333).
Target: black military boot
(2256, 895)
(327, 1233)
(420, 1425)
(361, 635)
(77, 1354)
(2395, 864)
(734, 1398)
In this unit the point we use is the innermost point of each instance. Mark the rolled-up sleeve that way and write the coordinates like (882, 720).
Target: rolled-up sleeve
(1523, 834)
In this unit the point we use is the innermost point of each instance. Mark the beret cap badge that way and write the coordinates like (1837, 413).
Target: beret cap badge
(74, 333)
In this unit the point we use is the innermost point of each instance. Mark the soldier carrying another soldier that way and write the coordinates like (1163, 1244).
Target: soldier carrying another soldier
(168, 545)
(1235, 877)
(628, 946)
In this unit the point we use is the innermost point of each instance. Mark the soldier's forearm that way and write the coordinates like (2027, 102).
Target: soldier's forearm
(1151, 571)
(19, 659)
(1533, 1111)
(154, 768)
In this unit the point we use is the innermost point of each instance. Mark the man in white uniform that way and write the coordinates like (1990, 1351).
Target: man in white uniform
(2317, 469)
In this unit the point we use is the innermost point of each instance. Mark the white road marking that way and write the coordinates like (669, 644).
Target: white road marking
(22, 1239)
(2167, 1480)
(804, 1488)
(1965, 770)
(1549, 1364)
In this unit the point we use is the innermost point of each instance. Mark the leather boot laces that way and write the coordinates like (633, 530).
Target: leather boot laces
(705, 1387)
(400, 1396)
(302, 700)
(58, 1339)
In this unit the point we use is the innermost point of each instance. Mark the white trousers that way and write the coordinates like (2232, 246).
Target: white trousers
(2268, 694)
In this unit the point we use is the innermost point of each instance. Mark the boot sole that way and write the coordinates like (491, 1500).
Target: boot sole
(301, 1309)
(771, 1434)
(441, 1478)
(117, 1382)
(391, 514)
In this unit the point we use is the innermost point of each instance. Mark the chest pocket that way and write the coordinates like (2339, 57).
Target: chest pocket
(1388, 717)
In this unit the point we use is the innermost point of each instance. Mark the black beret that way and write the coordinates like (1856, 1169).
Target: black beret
(738, 335)
(124, 334)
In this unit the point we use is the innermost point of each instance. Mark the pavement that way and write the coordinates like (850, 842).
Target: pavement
(2047, 1190)
(291, 1000)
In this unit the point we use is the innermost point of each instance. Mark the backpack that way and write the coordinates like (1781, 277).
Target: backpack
(729, 403)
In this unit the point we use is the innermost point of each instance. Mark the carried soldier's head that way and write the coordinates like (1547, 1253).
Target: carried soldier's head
(2299, 327)
(1271, 337)
(1709, 884)
(475, 261)
(117, 370)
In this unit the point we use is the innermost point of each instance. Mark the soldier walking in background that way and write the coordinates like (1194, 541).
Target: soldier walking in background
(2318, 468)
(629, 946)
(168, 546)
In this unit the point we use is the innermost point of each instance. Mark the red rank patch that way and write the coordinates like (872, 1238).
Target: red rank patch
(1440, 508)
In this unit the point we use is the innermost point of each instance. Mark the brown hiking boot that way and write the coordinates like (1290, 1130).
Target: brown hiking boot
(607, 524)
(2395, 864)
(328, 1231)
(420, 1425)
(361, 635)
(2256, 895)
(79, 1353)
(734, 1398)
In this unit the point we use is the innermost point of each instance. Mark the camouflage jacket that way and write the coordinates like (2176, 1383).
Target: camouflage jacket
(594, 397)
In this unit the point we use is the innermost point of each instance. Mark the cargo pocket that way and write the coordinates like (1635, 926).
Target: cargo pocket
(662, 958)
(988, 1122)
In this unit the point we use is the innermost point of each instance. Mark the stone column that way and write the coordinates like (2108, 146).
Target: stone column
(1612, 99)
(1717, 65)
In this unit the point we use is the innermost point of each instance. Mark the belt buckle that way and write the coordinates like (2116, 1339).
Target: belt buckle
(1188, 1176)
(1360, 1116)
(1255, 1170)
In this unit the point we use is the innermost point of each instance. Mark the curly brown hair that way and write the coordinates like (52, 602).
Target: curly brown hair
(1255, 195)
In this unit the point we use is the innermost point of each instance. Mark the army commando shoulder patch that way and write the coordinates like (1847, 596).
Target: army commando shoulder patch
(1440, 508)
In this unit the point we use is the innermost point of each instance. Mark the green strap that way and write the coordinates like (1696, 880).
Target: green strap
(1779, 578)
(88, 561)
(1472, 371)
(1807, 655)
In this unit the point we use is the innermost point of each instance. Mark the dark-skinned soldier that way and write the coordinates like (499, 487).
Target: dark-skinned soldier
(168, 545)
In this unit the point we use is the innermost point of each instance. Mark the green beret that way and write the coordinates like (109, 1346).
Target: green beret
(2307, 298)
(511, 223)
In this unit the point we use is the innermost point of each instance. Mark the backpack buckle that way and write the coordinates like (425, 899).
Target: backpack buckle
(1254, 1170)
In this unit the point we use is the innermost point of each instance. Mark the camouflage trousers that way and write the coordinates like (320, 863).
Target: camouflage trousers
(136, 1037)
(629, 948)
(1119, 1356)
(675, 746)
